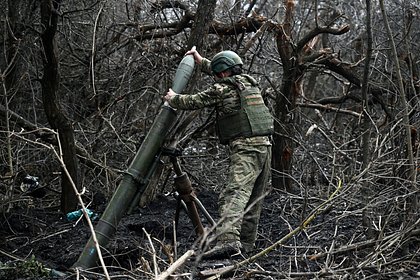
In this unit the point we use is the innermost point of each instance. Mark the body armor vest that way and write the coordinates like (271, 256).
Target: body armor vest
(252, 118)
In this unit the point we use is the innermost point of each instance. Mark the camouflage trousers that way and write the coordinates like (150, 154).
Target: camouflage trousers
(240, 201)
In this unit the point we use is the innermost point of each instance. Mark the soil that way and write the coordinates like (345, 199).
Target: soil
(36, 237)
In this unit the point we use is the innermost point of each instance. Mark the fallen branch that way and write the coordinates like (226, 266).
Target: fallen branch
(155, 266)
(360, 245)
(13, 257)
(175, 265)
(397, 269)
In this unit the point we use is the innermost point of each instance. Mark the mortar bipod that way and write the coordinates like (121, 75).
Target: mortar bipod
(185, 196)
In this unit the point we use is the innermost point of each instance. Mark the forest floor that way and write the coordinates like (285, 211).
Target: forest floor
(35, 238)
(39, 237)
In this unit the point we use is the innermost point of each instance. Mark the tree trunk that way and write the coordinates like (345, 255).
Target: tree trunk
(204, 15)
(293, 57)
(285, 105)
(366, 127)
(55, 116)
(284, 130)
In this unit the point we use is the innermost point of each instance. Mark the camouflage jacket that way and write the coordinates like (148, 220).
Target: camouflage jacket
(233, 120)
(221, 95)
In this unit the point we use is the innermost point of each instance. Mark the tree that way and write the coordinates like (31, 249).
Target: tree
(295, 57)
(50, 83)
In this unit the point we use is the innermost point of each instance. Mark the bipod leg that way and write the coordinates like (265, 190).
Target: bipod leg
(204, 210)
(177, 211)
(183, 186)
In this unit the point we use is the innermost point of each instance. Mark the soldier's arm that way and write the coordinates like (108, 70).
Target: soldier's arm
(206, 66)
(207, 98)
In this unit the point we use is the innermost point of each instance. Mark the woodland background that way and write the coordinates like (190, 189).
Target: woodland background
(82, 82)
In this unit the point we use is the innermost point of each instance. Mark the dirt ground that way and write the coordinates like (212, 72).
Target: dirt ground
(35, 238)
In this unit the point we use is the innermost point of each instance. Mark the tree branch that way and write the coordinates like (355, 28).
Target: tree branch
(329, 108)
(149, 31)
(319, 30)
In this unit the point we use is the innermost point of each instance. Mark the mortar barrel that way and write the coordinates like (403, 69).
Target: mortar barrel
(128, 187)
(137, 171)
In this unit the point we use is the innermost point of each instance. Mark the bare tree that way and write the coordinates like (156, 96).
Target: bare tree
(50, 83)
(293, 55)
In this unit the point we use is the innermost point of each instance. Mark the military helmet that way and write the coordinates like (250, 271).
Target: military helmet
(225, 60)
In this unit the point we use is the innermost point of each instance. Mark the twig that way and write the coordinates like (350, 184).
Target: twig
(11, 256)
(82, 204)
(329, 108)
(51, 235)
(335, 146)
(350, 247)
(48, 135)
(175, 265)
(155, 266)
(9, 190)
(92, 62)
(175, 241)
(166, 250)
(257, 34)
(327, 261)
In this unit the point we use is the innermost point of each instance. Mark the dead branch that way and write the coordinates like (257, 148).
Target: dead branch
(326, 273)
(329, 108)
(269, 24)
(175, 265)
(161, 5)
(155, 266)
(151, 31)
(342, 68)
(319, 30)
(351, 247)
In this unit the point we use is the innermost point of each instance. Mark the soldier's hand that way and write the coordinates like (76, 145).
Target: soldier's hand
(169, 95)
(197, 57)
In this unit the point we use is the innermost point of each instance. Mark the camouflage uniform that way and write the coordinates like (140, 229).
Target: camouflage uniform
(249, 169)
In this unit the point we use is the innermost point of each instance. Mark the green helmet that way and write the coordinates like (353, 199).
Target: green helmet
(225, 60)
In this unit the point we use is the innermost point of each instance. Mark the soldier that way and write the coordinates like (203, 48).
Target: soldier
(245, 124)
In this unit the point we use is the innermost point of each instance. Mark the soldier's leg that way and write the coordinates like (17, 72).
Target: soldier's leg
(235, 195)
(254, 206)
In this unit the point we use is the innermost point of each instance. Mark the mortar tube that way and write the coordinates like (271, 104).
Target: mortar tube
(135, 202)
(127, 189)
(134, 178)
